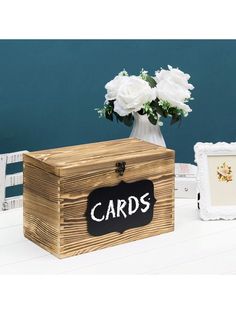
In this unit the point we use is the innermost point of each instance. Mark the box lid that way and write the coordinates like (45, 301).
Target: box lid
(71, 159)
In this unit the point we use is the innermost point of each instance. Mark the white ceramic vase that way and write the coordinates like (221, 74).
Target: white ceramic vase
(145, 130)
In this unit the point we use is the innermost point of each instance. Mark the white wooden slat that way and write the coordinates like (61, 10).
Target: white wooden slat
(12, 202)
(14, 179)
(10, 180)
(15, 157)
(2, 178)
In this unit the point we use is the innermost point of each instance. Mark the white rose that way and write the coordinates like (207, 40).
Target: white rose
(173, 93)
(173, 86)
(113, 86)
(132, 94)
(175, 75)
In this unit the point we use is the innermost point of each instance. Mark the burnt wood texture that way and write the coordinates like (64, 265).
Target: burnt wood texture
(57, 183)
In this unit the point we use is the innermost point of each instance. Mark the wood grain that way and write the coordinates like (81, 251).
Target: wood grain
(57, 183)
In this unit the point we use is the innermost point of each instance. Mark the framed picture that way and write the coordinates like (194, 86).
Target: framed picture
(216, 180)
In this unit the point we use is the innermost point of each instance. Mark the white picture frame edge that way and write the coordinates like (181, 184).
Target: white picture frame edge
(202, 151)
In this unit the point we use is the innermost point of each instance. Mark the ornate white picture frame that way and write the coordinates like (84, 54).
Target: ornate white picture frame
(216, 180)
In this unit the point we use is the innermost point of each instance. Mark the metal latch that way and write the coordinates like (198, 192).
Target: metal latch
(120, 167)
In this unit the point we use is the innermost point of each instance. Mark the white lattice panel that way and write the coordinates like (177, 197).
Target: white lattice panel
(8, 180)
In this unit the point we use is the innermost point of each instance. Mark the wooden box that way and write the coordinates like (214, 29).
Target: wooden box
(83, 198)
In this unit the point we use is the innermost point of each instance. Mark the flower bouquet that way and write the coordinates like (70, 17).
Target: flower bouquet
(128, 98)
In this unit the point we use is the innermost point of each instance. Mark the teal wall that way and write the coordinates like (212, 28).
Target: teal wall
(49, 89)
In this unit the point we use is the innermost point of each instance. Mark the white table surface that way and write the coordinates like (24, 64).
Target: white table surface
(195, 247)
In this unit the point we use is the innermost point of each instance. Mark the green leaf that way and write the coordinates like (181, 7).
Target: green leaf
(109, 116)
(175, 118)
(152, 119)
(118, 117)
(128, 120)
(141, 112)
(153, 105)
(160, 110)
(152, 83)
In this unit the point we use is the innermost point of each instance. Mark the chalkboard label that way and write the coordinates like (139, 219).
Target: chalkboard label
(120, 207)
